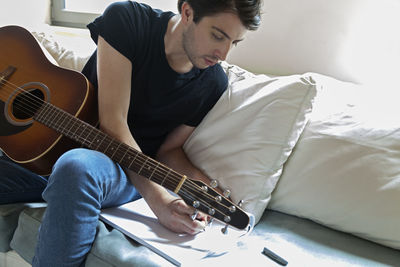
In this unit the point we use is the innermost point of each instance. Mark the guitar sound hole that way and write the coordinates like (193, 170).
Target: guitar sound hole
(27, 103)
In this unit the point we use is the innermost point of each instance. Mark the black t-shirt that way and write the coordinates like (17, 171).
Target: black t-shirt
(161, 99)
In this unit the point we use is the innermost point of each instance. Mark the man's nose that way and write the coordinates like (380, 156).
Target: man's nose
(223, 51)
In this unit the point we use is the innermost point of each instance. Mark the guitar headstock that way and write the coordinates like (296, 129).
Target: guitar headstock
(210, 202)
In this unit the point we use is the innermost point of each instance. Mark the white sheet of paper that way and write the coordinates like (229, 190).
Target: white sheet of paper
(136, 220)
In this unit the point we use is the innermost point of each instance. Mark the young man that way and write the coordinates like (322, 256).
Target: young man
(157, 77)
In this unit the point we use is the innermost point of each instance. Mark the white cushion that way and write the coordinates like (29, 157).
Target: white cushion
(245, 139)
(71, 49)
(345, 169)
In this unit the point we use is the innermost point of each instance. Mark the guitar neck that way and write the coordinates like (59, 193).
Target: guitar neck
(91, 137)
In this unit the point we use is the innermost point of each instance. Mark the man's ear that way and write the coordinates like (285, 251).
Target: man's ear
(186, 13)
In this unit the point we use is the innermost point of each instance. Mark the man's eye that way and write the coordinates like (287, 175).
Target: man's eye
(217, 37)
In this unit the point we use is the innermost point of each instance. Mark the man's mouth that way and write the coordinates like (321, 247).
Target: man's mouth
(210, 62)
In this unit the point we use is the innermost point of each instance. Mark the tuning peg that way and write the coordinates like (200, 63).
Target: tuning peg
(227, 218)
(240, 203)
(225, 230)
(211, 211)
(214, 183)
(196, 204)
(232, 209)
(227, 193)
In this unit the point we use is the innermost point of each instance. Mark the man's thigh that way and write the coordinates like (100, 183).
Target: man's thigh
(18, 184)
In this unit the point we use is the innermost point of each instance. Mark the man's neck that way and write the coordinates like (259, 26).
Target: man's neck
(176, 55)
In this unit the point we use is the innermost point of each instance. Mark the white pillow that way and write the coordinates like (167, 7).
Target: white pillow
(248, 135)
(70, 48)
(345, 169)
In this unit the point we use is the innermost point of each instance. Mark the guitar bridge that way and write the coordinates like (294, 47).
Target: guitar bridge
(6, 74)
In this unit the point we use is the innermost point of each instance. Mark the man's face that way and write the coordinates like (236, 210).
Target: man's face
(210, 40)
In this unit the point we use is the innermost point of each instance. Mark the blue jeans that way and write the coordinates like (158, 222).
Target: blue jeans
(82, 182)
(17, 184)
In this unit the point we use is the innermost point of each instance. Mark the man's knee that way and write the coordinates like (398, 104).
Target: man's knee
(73, 171)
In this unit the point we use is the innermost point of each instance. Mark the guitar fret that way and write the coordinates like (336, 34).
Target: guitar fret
(88, 137)
(47, 115)
(89, 140)
(82, 129)
(67, 120)
(84, 140)
(151, 175)
(132, 161)
(123, 156)
(64, 117)
(165, 177)
(52, 117)
(108, 144)
(44, 113)
(142, 166)
(95, 141)
(112, 148)
(100, 142)
(73, 133)
(116, 149)
(38, 113)
(55, 122)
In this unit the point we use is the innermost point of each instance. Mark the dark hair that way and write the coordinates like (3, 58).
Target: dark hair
(247, 10)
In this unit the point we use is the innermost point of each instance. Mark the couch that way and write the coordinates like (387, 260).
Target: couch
(315, 103)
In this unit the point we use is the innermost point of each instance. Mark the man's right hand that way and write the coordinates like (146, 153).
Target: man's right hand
(171, 211)
(176, 215)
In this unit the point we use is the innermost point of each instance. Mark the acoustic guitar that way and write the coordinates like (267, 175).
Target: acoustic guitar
(47, 110)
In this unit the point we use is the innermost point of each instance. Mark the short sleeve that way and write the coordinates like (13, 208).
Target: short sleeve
(121, 25)
(214, 86)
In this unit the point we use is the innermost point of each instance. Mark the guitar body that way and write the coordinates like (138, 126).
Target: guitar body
(24, 140)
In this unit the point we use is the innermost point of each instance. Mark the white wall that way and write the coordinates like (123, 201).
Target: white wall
(27, 13)
(352, 40)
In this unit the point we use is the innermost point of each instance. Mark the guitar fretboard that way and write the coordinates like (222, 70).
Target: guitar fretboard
(91, 137)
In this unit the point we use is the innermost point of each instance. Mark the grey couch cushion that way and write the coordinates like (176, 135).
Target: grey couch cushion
(308, 243)
(300, 241)
(8, 223)
(25, 236)
(111, 247)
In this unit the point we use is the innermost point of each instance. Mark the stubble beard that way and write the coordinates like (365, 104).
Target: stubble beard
(187, 44)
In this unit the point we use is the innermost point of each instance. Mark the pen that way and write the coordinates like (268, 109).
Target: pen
(274, 257)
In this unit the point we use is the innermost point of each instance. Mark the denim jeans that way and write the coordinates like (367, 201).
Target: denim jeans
(17, 184)
(82, 182)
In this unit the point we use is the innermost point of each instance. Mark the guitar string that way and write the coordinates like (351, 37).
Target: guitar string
(190, 186)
